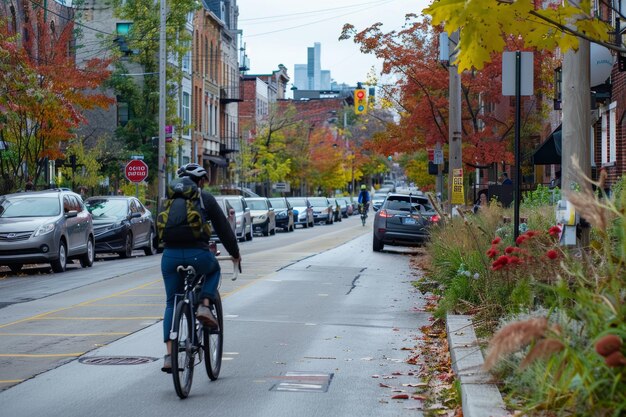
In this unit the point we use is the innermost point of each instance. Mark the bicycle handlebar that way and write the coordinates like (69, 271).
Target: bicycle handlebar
(236, 267)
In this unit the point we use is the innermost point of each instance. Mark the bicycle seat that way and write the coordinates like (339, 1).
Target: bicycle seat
(186, 269)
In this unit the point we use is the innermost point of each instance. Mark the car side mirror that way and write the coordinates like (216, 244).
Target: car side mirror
(134, 215)
(71, 213)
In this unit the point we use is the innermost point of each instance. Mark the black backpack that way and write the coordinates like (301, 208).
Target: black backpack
(182, 218)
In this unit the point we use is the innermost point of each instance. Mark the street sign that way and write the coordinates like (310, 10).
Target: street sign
(136, 157)
(136, 170)
(281, 186)
(438, 156)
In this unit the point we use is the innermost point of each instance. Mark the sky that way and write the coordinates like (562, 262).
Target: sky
(280, 31)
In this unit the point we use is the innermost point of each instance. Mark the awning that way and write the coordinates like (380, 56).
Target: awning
(217, 160)
(549, 152)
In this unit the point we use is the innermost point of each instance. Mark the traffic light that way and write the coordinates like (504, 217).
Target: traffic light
(360, 101)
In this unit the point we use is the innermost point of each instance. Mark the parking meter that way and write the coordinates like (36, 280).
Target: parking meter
(567, 217)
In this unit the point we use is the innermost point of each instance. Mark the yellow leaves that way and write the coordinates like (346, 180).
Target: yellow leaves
(484, 24)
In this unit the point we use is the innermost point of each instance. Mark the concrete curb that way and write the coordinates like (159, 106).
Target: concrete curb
(479, 396)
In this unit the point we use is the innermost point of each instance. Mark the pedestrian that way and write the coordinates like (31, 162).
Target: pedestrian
(481, 203)
(505, 179)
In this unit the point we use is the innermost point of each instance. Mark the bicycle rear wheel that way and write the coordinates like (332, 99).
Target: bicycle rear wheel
(182, 349)
(213, 342)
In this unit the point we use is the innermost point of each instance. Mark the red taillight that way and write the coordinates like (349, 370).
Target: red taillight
(434, 218)
(384, 213)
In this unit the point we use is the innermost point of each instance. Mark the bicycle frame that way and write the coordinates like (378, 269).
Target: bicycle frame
(191, 289)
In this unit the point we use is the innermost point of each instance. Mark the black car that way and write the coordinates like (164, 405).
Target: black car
(403, 219)
(122, 224)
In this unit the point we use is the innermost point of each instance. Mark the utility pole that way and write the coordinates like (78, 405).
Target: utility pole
(161, 163)
(454, 116)
(576, 130)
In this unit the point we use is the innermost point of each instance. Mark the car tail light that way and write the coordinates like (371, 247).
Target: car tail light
(385, 214)
(435, 218)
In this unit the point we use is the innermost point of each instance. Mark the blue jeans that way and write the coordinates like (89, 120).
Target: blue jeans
(203, 261)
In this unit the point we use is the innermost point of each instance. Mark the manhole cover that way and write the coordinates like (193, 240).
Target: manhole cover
(116, 360)
(303, 382)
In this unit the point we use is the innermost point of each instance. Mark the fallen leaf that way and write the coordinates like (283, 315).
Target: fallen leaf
(400, 397)
(384, 385)
(419, 397)
(397, 373)
(418, 385)
(375, 376)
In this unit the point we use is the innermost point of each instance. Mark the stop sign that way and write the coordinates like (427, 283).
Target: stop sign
(136, 170)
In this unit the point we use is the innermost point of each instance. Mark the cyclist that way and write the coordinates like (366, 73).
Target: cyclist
(199, 255)
(364, 199)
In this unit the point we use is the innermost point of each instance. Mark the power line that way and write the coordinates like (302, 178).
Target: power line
(318, 21)
(321, 11)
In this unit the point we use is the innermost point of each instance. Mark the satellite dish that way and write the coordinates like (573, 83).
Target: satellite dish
(600, 64)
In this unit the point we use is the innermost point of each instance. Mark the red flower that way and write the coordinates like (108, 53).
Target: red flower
(492, 253)
(552, 254)
(531, 233)
(509, 249)
(554, 231)
(520, 239)
(496, 241)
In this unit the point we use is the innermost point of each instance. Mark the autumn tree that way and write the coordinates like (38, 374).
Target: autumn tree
(44, 95)
(485, 26)
(420, 96)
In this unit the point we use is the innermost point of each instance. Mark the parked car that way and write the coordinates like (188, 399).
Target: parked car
(346, 207)
(378, 198)
(338, 205)
(322, 209)
(302, 211)
(285, 218)
(50, 226)
(122, 224)
(263, 216)
(242, 191)
(403, 219)
(242, 222)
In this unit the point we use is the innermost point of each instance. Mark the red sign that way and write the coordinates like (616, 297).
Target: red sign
(136, 170)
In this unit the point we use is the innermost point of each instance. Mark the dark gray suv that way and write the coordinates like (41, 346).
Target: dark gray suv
(50, 226)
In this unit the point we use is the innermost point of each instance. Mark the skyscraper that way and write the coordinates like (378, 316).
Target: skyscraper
(310, 76)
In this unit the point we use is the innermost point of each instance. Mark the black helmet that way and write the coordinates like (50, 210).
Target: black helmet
(192, 170)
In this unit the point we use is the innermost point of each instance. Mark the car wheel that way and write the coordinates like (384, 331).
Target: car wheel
(312, 223)
(291, 228)
(128, 246)
(249, 236)
(60, 264)
(15, 268)
(151, 249)
(377, 244)
(86, 260)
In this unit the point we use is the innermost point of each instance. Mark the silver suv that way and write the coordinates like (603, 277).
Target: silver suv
(50, 226)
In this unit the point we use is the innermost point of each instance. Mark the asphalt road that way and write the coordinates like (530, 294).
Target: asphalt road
(312, 329)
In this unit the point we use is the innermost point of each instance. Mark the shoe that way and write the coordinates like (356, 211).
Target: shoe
(167, 364)
(205, 316)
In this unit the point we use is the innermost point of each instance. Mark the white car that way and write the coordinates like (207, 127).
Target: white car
(378, 198)
(303, 211)
(263, 215)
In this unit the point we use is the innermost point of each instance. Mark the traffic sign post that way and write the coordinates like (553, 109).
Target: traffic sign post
(136, 171)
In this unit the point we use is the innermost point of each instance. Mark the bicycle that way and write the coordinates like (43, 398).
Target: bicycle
(189, 338)
(363, 210)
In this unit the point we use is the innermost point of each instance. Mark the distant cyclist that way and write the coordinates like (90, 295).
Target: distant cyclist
(198, 254)
(364, 199)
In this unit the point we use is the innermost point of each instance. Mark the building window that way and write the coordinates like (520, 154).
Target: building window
(123, 28)
(608, 142)
(186, 113)
(187, 58)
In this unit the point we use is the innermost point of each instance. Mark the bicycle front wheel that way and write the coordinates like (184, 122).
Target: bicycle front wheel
(213, 341)
(182, 349)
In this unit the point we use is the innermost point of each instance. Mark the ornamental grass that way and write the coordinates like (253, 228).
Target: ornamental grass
(553, 318)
